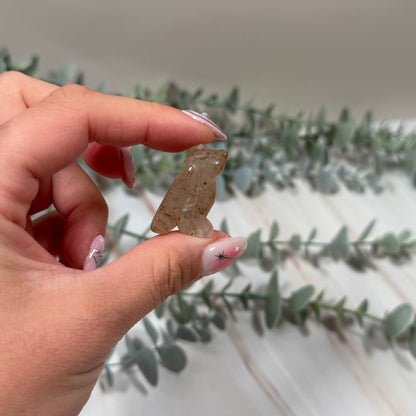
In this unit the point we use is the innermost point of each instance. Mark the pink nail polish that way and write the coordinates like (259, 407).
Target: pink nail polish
(221, 254)
(202, 118)
(96, 253)
(129, 167)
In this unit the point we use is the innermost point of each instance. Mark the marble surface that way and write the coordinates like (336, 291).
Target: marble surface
(287, 371)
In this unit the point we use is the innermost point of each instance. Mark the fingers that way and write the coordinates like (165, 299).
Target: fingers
(81, 205)
(18, 92)
(141, 279)
(51, 134)
(111, 161)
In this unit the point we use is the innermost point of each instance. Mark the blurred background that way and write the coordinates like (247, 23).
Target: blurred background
(300, 54)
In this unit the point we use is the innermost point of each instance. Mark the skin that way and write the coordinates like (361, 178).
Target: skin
(58, 323)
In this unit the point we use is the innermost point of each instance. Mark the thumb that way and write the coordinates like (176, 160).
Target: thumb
(144, 277)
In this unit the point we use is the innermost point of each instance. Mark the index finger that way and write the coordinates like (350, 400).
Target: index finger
(51, 134)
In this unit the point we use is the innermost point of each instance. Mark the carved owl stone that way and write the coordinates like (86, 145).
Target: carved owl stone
(192, 194)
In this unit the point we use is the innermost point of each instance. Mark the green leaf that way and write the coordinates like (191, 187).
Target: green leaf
(325, 181)
(363, 307)
(340, 247)
(186, 333)
(243, 178)
(312, 235)
(119, 227)
(220, 188)
(182, 310)
(367, 230)
(390, 243)
(102, 87)
(29, 66)
(3, 65)
(295, 242)
(244, 295)
(160, 310)
(398, 320)
(109, 375)
(170, 327)
(412, 342)
(344, 132)
(204, 334)
(378, 169)
(320, 118)
(300, 298)
(274, 231)
(172, 357)
(66, 73)
(218, 319)
(276, 255)
(151, 329)
(231, 103)
(360, 311)
(272, 305)
(404, 236)
(253, 244)
(224, 226)
(165, 163)
(205, 294)
(145, 359)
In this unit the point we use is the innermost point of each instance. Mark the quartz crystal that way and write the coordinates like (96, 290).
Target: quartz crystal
(192, 194)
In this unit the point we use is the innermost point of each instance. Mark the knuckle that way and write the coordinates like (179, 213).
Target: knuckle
(173, 273)
(71, 91)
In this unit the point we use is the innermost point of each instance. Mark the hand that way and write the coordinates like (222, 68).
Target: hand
(57, 321)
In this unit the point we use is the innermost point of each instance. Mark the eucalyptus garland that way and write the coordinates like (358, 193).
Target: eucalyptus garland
(266, 148)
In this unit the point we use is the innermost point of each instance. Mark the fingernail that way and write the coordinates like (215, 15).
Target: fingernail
(221, 254)
(129, 177)
(203, 118)
(96, 253)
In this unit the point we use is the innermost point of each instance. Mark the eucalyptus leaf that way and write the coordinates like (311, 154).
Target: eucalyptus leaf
(109, 375)
(145, 359)
(218, 319)
(398, 320)
(344, 132)
(272, 305)
(66, 73)
(172, 357)
(151, 329)
(325, 181)
(340, 246)
(186, 333)
(300, 298)
(160, 310)
(224, 226)
(220, 188)
(204, 334)
(295, 242)
(412, 342)
(243, 178)
(3, 66)
(390, 243)
(274, 231)
(367, 230)
(119, 227)
(231, 103)
(253, 244)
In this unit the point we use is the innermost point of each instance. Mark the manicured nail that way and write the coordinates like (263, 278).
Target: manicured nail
(95, 254)
(203, 118)
(129, 176)
(221, 254)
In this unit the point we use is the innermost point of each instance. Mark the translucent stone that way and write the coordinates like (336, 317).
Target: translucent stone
(192, 194)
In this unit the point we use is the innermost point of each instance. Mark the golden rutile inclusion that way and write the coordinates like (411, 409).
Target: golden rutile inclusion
(192, 194)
